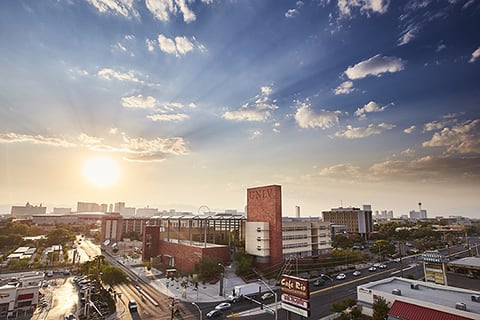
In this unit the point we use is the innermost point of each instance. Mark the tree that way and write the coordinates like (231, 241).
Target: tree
(342, 242)
(380, 309)
(60, 236)
(113, 275)
(244, 263)
(382, 248)
(208, 268)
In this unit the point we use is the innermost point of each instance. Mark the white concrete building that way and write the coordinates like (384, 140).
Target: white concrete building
(19, 294)
(412, 299)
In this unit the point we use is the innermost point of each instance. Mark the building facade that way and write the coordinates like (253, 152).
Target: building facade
(19, 295)
(357, 221)
(27, 211)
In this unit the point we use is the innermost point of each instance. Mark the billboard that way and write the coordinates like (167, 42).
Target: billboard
(295, 295)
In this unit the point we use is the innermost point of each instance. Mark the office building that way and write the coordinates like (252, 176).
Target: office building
(357, 221)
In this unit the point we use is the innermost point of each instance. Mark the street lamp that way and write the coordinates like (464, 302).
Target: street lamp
(222, 275)
(275, 295)
(199, 310)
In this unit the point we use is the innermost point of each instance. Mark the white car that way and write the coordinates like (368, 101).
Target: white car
(267, 295)
(356, 273)
(372, 268)
(341, 276)
(223, 306)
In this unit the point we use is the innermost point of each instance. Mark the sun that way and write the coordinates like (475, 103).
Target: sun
(101, 171)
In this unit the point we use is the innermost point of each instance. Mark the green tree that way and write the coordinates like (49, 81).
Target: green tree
(208, 268)
(342, 242)
(60, 236)
(113, 275)
(244, 263)
(382, 248)
(380, 309)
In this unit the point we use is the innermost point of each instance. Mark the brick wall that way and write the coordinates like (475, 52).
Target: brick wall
(265, 204)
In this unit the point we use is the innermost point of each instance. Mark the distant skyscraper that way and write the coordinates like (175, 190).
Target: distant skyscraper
(91, 207)
(27, 211)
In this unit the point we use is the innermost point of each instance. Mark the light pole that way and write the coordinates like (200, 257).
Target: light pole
(222, 275)
(199, 310)
(275, 295)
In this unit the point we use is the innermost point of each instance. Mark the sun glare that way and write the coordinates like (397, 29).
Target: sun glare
(101, 171)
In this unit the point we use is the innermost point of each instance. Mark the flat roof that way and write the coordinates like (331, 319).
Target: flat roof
(432, 293)
(466, 262)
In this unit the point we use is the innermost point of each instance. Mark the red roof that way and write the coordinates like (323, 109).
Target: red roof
(408, 311)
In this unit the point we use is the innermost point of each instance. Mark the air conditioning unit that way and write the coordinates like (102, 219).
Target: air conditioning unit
(259, 229)
(397, 292)
(461, 306)
(414, 286)
(259, 248)
(475, 297)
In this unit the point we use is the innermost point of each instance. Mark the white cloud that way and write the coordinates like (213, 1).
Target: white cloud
(35, 139)
(122, 7)
(408, 152)
(410, 129)
(257, 111)
(366, 6)
(341, 171)
(109, 74)
(150, 44)
(162, 9)
(291, 13)
(145, 147)
(178, 46)
(308, 118)
(408, 35)
(255, 134)
(372, 106)
(168, 117)
(461, 138)
(360, 132)
(475, 55)
(345, 87)
(375, 66)
(139, 102)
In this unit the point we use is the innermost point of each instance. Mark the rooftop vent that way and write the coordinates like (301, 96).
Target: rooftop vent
(414, 286)
(475, 297)
(397, 292)
(461, 306)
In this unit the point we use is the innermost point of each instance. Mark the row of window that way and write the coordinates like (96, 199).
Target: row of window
(295, 237)
(294, 245)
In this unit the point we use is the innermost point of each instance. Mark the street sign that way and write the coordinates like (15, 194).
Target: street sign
(297, 310)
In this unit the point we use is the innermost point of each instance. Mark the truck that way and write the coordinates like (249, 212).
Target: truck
(244, 290)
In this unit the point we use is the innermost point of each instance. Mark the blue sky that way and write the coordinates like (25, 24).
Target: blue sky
(340, 102)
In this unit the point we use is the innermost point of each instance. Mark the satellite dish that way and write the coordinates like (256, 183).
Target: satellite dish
(106, 242)
(114, 245)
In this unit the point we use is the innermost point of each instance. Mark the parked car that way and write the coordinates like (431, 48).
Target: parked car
(71, 316)
(356, 273)
(267, 295)
(214, 314)
(341, 276)
(223, 306)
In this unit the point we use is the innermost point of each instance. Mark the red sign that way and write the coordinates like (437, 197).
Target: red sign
(294, 286)
(299, 302)
(25, 296)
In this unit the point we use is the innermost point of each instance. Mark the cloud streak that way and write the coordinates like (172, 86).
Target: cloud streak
(375, 66)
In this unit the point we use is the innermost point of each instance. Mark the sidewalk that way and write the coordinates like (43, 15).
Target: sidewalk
(205, 292)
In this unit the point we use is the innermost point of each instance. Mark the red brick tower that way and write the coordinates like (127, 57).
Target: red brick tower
(264, 204)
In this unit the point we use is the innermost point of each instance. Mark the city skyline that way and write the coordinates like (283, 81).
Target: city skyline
(180, 104)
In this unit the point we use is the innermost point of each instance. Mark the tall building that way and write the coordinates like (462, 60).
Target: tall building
(27, 211)
(418, 215)
(91, 207)
(357, 221)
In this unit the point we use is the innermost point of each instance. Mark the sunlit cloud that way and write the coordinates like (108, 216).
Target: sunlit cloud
(109, 74)
(363, 132)
(408, 35)
(116, 7)
(345, 87)
(372, 106)
(410, 129)
(306, 117)
(475, 55)
(163, 9)
(366, 6)
(376, 66)
(258, 110)
(35, 139)
(139, 101)
(150, 45)
(463, 138)
(168, 117)
(179, 46)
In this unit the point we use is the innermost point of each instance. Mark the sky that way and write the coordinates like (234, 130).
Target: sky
(181, 104)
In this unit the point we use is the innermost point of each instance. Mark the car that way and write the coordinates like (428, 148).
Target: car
(223, 306)
(49, 273)
(214, 314)
(372, 268)
(397, 260)
(267, 295)
(341, 276)
(71, 316)
(383, 266)
(132, 306)
(319, 282)
(356, 273)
